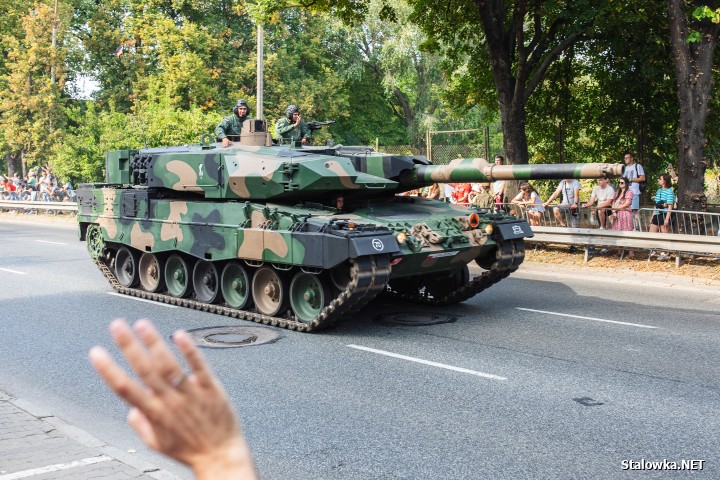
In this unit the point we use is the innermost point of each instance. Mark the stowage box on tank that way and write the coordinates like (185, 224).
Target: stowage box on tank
(298, 237)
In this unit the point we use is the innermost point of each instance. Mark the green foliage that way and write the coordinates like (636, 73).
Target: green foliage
(30, 102)
(92, 132)
(189, 52)
(168, 70)
(299, 72)
(701, 13)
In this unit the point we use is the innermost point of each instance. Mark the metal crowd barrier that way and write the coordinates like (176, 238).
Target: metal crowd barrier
(684, 221)
(690, 233)
(55, 207)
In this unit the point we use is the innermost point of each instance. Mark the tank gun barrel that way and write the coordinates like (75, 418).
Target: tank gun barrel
(479, 170)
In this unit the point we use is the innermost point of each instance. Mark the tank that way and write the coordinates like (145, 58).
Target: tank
(298, 237)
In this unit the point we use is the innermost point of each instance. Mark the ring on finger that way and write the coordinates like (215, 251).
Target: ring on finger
(178, 380)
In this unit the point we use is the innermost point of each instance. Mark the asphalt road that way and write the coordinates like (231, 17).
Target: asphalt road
(541, 376)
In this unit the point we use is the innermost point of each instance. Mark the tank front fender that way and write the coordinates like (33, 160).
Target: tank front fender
(373, 245)
(513, 229)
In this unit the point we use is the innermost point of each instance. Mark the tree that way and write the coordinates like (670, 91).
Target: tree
(192, 52)
(31, 103)
(92, 132)
(693, 42)
(390, 50)
(613, 92)
(299, 71)
(517, 43)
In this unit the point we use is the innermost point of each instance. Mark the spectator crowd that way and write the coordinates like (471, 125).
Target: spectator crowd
(40, 184)
(613, 205)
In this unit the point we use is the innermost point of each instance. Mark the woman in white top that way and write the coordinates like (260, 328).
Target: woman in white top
(530, 199)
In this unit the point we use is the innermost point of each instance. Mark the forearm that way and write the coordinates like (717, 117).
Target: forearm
(220, 132)
(285, 128)
(233, 461)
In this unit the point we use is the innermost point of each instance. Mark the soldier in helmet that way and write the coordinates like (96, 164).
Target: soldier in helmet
(292, 127)
(232, 124)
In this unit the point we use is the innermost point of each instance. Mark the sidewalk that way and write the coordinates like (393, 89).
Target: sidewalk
(36, 445)
(610, 275)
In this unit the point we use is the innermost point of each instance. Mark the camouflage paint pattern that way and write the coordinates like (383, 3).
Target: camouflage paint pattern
(211, 203)
(264, 173)
(479, 170)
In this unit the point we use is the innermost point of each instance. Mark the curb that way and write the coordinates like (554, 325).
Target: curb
(610, 275)
(86, 439)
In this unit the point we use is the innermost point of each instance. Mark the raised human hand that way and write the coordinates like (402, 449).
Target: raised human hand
(186, 417)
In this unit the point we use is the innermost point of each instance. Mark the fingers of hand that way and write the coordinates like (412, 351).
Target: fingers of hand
(138, 357)
(164, 362)
(144, 428)
(116, 378)
(194, 358)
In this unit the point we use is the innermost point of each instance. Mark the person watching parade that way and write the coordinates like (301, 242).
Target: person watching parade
(232, 124)
(291, 127)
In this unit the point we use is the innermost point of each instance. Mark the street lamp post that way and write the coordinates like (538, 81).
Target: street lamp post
(260, 86)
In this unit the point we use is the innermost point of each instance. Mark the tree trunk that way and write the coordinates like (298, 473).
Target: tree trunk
(693, 68)
(12, 164)
(514, 143)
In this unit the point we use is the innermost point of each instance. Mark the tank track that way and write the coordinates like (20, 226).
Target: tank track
(508, 258)
(368, 277)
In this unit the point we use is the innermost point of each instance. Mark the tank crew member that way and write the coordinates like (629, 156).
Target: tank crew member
(292, 127)
(232, 124)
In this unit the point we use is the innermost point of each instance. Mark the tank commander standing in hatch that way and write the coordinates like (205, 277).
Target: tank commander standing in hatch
(232, 124)
(292, 127)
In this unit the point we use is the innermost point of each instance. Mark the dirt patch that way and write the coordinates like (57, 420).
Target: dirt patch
(39, 216)
(691, 266)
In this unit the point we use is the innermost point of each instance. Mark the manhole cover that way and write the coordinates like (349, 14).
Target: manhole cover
(226, 337)
(415, 319)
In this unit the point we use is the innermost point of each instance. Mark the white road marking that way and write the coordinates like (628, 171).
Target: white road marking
(130, 297)
(427, 362)
(586, 318)
(48, 241)
(55, 468)
(12, 271)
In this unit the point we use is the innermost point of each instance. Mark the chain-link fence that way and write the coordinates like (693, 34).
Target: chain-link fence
(403, 150)
(448, 145)
(440, 154)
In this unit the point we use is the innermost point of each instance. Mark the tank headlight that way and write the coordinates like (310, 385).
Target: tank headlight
(488, 229)
(474, 220)
(401, 238)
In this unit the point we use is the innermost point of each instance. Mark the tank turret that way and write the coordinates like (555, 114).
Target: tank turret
(275, 173)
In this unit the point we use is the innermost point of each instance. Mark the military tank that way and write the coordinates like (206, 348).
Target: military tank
(296, 236)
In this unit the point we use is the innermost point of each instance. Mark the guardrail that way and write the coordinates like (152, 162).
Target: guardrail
(56, 207)
(588, 238)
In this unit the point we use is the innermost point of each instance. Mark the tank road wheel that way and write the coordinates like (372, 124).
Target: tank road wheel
(309, 294)
(150, 271)
(126, 267)
(207, 282)
(269, 291)
(440, 286)
(94, 241)
(235, 285)
(177, 276)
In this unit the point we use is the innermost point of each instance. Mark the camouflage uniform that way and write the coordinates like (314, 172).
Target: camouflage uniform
(285, 130)
(230, 126)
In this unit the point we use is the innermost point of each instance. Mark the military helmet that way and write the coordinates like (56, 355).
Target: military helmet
(241, 103)
(290, 110)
